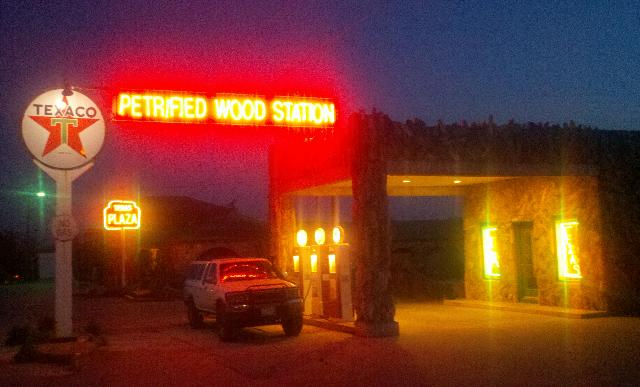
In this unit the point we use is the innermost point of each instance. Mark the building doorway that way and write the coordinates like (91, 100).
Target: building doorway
(527, 283)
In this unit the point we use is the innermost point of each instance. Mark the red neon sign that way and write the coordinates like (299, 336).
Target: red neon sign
(235, 109)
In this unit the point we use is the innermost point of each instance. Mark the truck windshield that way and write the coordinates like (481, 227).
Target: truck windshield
(239, 271)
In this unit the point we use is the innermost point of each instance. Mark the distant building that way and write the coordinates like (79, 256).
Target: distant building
(175, 230)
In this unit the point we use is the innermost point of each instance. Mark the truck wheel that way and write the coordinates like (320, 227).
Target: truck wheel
(292, 326)
(194, 315)
(226, 330)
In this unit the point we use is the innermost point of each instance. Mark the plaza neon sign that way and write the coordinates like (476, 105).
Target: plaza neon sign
(234, 109)
(121, 215)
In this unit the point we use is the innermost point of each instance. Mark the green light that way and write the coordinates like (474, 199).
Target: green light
(489, 247)
(41, 194)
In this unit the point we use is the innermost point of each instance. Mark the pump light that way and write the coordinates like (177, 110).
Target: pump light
(296, 263)
(319, 236)
(301, 238)
(337, 235)
(314, 263)
(332, 263)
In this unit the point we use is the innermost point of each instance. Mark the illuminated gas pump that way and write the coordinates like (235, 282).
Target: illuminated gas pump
(324, 274)
(342, 265)
(315, 284)
(330, 288)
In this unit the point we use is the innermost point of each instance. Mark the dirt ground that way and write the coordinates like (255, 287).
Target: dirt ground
(150, 343)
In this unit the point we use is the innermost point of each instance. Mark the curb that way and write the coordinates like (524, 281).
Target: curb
(338, 326)
(554, 311)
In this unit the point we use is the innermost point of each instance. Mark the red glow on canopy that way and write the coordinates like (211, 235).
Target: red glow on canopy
(290, 68)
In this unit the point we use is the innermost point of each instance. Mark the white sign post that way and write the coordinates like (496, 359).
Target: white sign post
(63, 131)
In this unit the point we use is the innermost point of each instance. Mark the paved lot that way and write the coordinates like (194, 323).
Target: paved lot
(151, 344)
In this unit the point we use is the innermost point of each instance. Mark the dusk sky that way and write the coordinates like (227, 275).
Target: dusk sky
(546, 61)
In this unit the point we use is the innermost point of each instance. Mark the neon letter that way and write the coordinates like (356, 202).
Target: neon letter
(201, 107)
(124, 102)
(278, 114)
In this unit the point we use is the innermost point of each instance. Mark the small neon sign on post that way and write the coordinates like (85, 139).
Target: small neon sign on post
(568, 263)
(490, 252)
(122, 215)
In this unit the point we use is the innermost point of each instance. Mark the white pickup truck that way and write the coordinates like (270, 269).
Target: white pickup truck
(241, 292)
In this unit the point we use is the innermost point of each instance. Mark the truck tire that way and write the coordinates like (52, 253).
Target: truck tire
(226, 330)
(194, 315)
(292, 326)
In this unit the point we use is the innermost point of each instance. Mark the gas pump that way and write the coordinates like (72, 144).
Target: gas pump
(344, 274)
(304, 264)
(324, 273)
(315, 284)
(330, 288)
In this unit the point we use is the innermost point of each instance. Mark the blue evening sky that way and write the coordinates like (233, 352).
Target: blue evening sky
(452, 60)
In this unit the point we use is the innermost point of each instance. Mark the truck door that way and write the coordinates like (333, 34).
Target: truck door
(209, 288)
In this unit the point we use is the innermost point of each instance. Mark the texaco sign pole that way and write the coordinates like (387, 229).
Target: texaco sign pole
(63, 131)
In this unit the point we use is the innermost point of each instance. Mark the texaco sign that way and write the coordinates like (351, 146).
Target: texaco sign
(63, 132)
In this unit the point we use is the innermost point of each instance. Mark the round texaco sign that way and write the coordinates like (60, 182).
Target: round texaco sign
(63, 132)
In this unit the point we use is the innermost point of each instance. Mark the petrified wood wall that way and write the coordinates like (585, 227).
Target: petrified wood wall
(540, 200)
(371, 247)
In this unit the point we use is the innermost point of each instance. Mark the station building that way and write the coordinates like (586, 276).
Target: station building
(550, 213)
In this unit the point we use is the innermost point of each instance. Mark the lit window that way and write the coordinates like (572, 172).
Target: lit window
(490, 251)
(568, 262)
(314, 263)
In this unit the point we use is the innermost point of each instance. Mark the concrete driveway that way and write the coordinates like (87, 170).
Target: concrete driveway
(150, 343)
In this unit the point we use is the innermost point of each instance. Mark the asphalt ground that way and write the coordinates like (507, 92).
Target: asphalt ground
(151, 344)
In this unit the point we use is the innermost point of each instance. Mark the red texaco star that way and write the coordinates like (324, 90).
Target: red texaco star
(64, 130)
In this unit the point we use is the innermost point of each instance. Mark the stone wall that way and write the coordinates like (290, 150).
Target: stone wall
(540, 200)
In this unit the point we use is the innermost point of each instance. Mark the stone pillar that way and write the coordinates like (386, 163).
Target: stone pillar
(281, 220)
(371, 252)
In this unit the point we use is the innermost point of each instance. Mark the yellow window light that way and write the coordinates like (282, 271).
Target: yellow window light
(490, 252)
(314, 263)
(319, 236)
(332, 263)
(567, 250)
(301, 238)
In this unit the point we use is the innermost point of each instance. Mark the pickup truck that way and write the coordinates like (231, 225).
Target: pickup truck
(241, 292)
